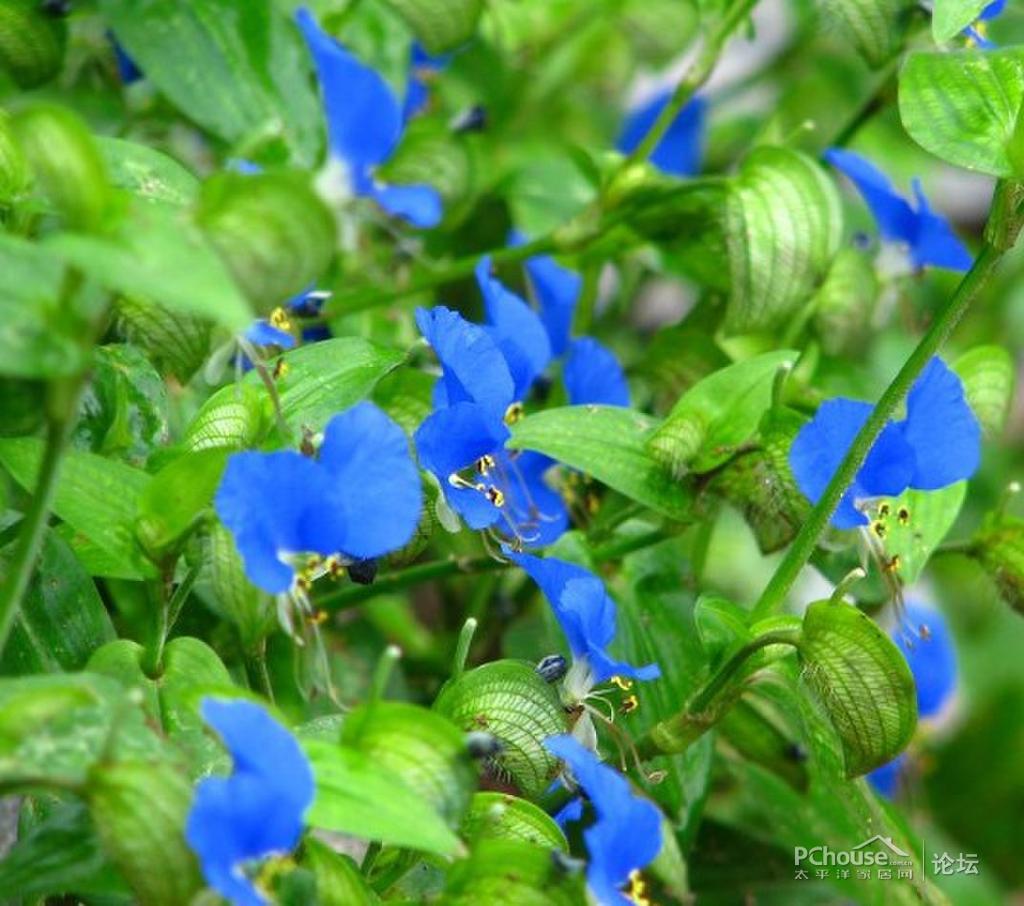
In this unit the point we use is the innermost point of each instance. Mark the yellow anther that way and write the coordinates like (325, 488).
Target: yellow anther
(335, 568)
(485, 464)
(629, 704)
(879, 529)
(903, 515)
(883, 510)
(317, 617)
(280, 369)
(622, 682)
(279, 319)
(514, 413)
(637, 892)
(495, 496)
(893, 565)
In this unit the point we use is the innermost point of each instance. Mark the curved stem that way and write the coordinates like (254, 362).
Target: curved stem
(30, 538)
(698, 73)
(807, 538)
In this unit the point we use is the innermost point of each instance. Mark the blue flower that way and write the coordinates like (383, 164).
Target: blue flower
(422, 66)
(976, 32)
(927, 645)
(462, 442)
(626, 836)
(516, 329)
(681, 149)
(360, 498)
(257, 811)
(364, 125)
(928, 236)
(309, 304)
(937, 444)
(925, 641)
(886, 779)
(587, 615)
(264, 333)
(591, 373)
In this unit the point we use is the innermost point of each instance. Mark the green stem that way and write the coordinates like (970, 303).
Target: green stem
(353, 595)
(257, 673)
(678, 732)
(807, 538)
(698, 73)
(30, 537)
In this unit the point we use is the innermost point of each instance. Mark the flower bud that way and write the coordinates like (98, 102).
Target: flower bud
(509, 700)
(272, 231)
(845, 303)
(32, 43)
(175, 342)
(999, 547)
(67, 165)
(139, 810)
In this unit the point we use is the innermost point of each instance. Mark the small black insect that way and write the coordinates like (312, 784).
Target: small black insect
(363, 572)
(796, 752)
(483, 745)
(552, 668)
(58, 9)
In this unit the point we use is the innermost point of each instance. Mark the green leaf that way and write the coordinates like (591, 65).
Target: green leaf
(989, 377)
(171, 503)
(610, 444)
(62, 620)
(31, 343)
(440, 25)
(246, 73)
(716, 414)
(356, 794)
(965, 107)
(783, 226)
(862, 681)
(147, 173)
(912, 525)
(59, 854)
(177, 343)
(999, 547)
(512, 873)
(328, 377)
(877, 28)
(158, 254)
(950, 17)
(96, 496)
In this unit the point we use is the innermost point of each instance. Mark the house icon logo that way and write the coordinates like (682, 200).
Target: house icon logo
(878, 851)
(881, 841)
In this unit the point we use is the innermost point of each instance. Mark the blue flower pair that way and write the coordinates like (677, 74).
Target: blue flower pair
(976, 31)
(487, 370)
(364, 125)
(257, 812)
(626, 836)
(925, 641)
(937, 444)
(928, 237)
(359, 498)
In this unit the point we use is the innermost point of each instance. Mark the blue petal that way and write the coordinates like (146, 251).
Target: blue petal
(262, 333)
(266, 500)
(941, 429)
(516, 328)
(473, 367)
(364, 119)
(681, 148)
(557, 290)
(453, 439)
(992, 10)
(258, 810)
(552, 575)
(627, 833)
(377, 496)
(935, 243)
(568, 813)
(537, 509)
(822, 444)
(127, 68)
(419, 205)
(593, 375)
(895, 217)
(587, 605)
(886, 778)
(930, 655)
